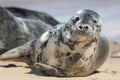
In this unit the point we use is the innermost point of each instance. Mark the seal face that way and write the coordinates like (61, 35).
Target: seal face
(72, 49)
(86, 23)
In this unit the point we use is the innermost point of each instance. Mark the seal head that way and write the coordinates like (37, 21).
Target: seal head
(85, 24)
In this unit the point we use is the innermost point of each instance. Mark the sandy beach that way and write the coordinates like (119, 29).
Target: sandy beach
(62, 10)
(110, 70)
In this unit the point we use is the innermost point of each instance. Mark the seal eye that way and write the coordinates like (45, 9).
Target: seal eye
(76, 19)
(94, 21)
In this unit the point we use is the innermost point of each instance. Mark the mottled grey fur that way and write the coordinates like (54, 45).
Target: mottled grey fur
(15, 30)
(29, 14)
(73, 49)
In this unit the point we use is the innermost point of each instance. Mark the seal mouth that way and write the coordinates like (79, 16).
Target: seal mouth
(81, 37)
(82, 33)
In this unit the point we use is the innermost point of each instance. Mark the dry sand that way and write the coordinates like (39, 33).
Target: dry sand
(110, 70)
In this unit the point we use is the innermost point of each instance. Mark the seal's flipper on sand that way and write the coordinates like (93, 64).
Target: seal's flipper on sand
(50, 70)
(27, 50)
(18, 52)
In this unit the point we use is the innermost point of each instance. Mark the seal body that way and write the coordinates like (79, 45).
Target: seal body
(17, 26)
(73, 49)
(29, 14)
(78, 58)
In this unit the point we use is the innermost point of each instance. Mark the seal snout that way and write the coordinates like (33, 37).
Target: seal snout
(83, 28)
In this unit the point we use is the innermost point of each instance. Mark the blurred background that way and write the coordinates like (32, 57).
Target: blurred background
(62, 10)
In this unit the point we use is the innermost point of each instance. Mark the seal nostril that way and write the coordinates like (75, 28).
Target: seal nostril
(86, 27)
(80, 27)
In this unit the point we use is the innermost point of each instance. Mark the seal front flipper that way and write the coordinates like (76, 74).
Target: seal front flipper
(50, 70)
(31, 48)
(17, 52)
(40, 44)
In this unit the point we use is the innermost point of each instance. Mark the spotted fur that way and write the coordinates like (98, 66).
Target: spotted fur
(73, 49)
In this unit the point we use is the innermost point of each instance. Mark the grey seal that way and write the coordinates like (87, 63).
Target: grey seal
(75, 48)
(17, 26)
(30, 14)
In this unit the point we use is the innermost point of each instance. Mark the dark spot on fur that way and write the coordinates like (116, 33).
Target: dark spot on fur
(94, 49)
(88, 64)
(77, 56)
(33, 44)
(38, 58)
(71, 44)
(59, 55)
(60, 38)
(67, 27)
(86, 59)
(62, 54)
(81, 69)
(96, 40)
(67, 42)
(55, 42)
(88, 44)
(59, 64)
(71, 47)
(64, 29)
(57, 51)
(29, 60)
(50, 32)
(83, 57)
(93, 28)
(45, 60)
(55, 33)
(72, 59)
(68, 54)
(84, 47)
(91, 56)
(70, 41)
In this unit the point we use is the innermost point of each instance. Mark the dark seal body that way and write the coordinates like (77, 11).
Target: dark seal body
(17, 26)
